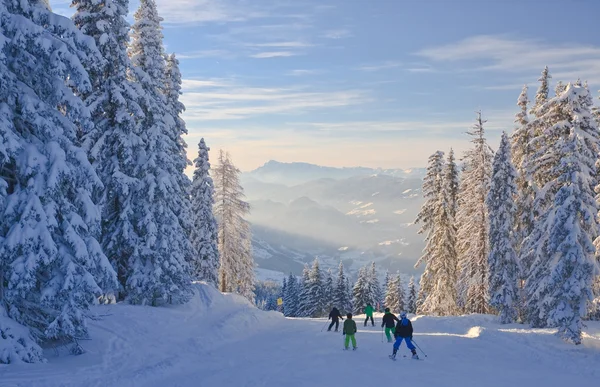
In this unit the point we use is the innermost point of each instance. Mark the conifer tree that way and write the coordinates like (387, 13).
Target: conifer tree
(236, 265)
(376, 294)
(503, 263)
(304, 294)
(432, 186)
(411, 304)
(52, 267)
(290, 297)
(394, 295)
(314, 292)
(452, 181)
(114, 144)
(349, 306)
(473, 226)
(542, 93)
(328, 292)
(204, 235)
(341, 298)
(361, 292)
(161, 272)
(559, 285)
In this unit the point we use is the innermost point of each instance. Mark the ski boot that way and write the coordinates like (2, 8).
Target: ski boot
(393, 355)
(354, 348)
(414, 355)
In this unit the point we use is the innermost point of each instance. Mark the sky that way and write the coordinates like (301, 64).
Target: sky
(374, 83)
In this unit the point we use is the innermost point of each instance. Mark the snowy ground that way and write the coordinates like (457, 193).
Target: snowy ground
(220, 340)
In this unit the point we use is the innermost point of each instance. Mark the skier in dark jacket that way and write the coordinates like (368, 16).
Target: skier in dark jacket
(334, 315)
(388, 321)
(404, 331)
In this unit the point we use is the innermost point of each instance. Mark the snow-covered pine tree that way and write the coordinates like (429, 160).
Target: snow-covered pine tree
(376, 294)
(394, 295)
(361, 293)
(113, 144)
(473, 225)
(542, 93)
(160, 272)
(432, 186)
(559, 88)
(402, 302)
(411, 303)
(303, 308)
(52, 267)
(314, 291)
(503, 262)
(349, 306)
(559, 285)
(328, 292)
(236, 264)
(443, 261)
(340, 294)
(452, 181)
(204, 236)
(290, 297)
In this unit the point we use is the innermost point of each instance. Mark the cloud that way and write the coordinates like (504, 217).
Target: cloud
(381, 66)
(509, 54)
(292, 44)
(202, 11)
(224, 54)
(301, 72)
(273, 54)
(226, 99)
(337, 34)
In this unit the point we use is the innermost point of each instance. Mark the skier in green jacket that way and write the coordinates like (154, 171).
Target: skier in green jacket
(389, 321)
(349, 331)
(369, 312)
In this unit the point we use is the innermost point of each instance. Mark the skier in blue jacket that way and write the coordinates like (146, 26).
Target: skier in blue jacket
(404, 331)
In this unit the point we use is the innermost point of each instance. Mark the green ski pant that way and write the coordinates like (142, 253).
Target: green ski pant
(388, 333)
(348, 338)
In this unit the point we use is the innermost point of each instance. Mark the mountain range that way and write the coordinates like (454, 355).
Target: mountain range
(301, 211)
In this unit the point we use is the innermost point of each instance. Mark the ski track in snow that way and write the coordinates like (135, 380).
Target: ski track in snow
(218, 340)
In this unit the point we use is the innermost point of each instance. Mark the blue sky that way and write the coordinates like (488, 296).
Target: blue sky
(379, 83)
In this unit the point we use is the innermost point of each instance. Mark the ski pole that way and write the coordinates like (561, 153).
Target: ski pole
(382, 334)
(326, 322)
(419, 347)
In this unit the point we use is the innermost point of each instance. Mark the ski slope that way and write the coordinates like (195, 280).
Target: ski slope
(221, 340)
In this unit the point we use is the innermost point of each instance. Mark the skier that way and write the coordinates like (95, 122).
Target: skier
(369, 313)
(404, 331)
(349, 331)
(388, 321)
(334, 315)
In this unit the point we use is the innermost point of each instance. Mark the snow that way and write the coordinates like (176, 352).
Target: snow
(202, 342)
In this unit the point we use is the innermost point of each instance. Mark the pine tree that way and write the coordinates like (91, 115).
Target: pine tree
(432, 186)
(236, 270)
(304, 294)
(161, 272)
(350, 305)
(341, 299)
(452, 182)
(113, 144)
(361, 292)
(472, 221)
(52, 267)
(559, 285)
(542, 93)
(290, 297)
(394, 295)
(503, 263)
(204, 236)
(314, 292)
(328, 292)
(375, 292)
(443, 261)
(411, 304)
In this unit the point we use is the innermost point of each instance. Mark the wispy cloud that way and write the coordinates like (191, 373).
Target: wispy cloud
(301, 72)
(381, 66)
(274, 54)
(291, 44)
(224, 54)
(505, 53)
(220, 99)
(202, 11)
(338, 34)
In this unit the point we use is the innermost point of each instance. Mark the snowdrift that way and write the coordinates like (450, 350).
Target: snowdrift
(131, 345)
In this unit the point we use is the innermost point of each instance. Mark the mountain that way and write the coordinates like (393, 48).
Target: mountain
(357, 219)
(298, 173)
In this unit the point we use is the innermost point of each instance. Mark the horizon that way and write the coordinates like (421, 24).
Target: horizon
(340, 84)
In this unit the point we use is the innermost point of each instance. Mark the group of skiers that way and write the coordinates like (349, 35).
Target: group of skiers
(401, 328)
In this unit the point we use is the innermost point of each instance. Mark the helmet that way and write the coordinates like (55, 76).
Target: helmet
(403, 314)
(387, 310)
